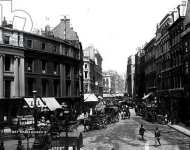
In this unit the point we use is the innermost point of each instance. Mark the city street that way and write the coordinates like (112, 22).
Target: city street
(124, 136)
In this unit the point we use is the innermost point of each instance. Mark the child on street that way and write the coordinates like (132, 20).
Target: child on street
(141, 132)
(157, 136)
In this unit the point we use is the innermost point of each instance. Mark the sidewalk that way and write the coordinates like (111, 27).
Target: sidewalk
(184, 130)
(11, 144)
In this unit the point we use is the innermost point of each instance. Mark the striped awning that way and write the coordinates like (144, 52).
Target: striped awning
(51, 103)
(30, 102)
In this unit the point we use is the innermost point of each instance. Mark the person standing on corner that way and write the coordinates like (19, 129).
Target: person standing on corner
(157, 136)
(141, 132)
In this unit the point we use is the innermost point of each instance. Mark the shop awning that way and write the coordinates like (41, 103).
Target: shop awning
(51, 103)
(146, 96)
(90, 98)
(100, 97)
(30, 102)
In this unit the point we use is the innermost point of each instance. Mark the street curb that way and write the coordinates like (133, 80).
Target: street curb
(178, 130)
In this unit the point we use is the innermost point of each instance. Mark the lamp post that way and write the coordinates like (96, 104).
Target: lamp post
(36, 145)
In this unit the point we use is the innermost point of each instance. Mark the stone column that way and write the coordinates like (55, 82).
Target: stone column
(1, 75)
(22, 77)
(16, 76)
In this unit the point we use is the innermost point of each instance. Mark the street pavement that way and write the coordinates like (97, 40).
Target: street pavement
(124, 136)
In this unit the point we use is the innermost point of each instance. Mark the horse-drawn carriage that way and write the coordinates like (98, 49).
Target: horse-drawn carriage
(125, 113)
(112, 114)
(100, 119)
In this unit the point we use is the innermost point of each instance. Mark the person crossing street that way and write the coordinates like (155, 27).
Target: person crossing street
(157, 137)
(141, 132)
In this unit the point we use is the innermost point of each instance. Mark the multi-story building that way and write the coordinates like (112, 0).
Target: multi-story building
(52, 66)
(139, 77)
(108, 85)
(150, 67)
(112, 82)
(185, 35)
(175, 73)
(169, 61)
(130, 75)
(92, 71)
(164, 64)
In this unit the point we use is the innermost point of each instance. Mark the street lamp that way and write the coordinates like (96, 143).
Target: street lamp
(36, 145)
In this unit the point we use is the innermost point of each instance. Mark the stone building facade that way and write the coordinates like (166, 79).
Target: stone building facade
(52, 66)
(93, 78)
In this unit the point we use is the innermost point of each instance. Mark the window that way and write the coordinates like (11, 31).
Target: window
(68, 73)
(30, 86)
(6, 39)
(29, 63)
(186, 67)
(29, 43)
(66, 52)
(7, 63)
(76, 89)
(85, 88)
(18, 40)
(85, 66)
(44, 63)
(55, 68)
(76, 72)
(44, 87)
(43, 45)
(56, 88)
(186, 46)
(54, 48)
(7, 88)
(68, 88)
(85, 74)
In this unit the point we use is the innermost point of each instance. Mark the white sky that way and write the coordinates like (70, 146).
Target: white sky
(115, 27)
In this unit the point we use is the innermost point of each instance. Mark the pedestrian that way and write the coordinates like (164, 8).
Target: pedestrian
(157, 136)
(141, 132)
(85, 122)
(2, 146)
(20, 146)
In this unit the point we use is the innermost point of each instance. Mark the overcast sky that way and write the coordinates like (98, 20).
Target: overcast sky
(115, 27)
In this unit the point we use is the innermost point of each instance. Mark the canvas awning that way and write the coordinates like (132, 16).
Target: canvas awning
(100, 97)
(30, 102)
(146, 96)
(51, 103)
(90, 98)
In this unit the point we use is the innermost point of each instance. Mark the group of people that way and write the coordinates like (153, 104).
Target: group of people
(124, 112)
(156, 134)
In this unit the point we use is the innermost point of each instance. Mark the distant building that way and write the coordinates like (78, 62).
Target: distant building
(130, 75)
(108, 85)
(92, 71)
(52, 66)
(139, 77)
(112, 82)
